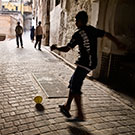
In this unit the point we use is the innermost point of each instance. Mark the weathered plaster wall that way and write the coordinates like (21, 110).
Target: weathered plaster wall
(103, 14)
(4, 24)
(46, 21)
(62, 24)
(115, 16)
(39, 13)
(7, 25)
(55, 24)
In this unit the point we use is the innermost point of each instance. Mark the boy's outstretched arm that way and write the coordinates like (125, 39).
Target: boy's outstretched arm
(119, 44)
(62, 49)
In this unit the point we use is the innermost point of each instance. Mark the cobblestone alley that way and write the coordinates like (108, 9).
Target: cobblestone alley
(107, 112)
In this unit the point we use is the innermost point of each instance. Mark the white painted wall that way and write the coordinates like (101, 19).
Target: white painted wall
(94, 13)
(55, 24)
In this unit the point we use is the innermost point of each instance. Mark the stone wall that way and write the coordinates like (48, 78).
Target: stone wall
(102, 14)
(62, 24)
(115, 17)
(55, 24)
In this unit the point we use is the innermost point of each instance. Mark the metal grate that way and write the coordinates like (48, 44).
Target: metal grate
(51, 85)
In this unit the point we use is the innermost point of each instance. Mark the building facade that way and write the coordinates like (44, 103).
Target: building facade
(13, 6)
(114, 16)
(23, 7)
(19, 6)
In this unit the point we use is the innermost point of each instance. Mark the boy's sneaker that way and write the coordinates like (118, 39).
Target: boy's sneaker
(64, 111)
(76, 119)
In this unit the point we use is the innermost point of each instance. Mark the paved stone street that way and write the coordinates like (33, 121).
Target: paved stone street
(107, 112)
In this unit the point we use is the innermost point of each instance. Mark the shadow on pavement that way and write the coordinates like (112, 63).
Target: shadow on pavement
(40, 107)
(122, 87)
(78, 131)
(119, 86)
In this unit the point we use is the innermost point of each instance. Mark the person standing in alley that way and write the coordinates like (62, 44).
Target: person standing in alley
(19, 32)
(32, 30)
(86, 39)
(39, 33)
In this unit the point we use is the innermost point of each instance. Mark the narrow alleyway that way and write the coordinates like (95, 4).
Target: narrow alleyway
(107, 112)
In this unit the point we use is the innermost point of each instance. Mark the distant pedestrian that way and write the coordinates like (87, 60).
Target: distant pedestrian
(86, 39)
(32, 30)
(39, 33)
(19, 32)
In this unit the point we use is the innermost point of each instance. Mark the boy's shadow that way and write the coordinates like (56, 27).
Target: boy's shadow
(74, 130)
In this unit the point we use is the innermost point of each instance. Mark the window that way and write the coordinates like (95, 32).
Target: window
(57, 2)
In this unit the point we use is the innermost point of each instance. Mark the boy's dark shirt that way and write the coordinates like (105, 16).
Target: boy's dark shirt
(86, 39)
